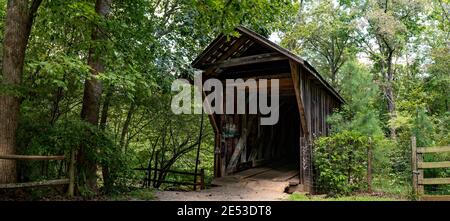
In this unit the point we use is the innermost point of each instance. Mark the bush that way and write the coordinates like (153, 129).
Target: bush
(340, 162)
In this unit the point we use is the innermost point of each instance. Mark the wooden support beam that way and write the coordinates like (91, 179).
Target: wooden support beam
(34, 184)
(233, 49)
(29, 157)
(254, 59)
(283, 84)
(305, 141)
(240, 146)
(211, 117)
(295, 73)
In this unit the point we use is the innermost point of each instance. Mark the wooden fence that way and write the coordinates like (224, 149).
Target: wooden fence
(418, 166)
(198, 180)
(66, 181)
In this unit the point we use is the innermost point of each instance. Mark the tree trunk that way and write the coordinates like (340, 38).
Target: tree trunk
(106, 173)
(55, 112)
(126, 126)
(91, 98)
(19, 19)
(105, 108)
(389, 93)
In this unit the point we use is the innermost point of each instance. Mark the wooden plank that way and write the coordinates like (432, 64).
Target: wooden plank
(284, 84)
(286, 176)
(433, 181)
(34, 184)
(253, 59)
(233, 49)
(238, 149)
(211, 47)
(211, 117)
(260, 162)
(429, 165)
(29, 157)
(175, 182)
(295, 73)
(167, 171)
(251, 172)
(435, 198)
(433, 149)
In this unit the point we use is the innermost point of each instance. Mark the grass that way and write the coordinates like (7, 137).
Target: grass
(134, 195)
(303, 197)
(392, 186)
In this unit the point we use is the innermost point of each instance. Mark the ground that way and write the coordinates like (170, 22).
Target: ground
(256, 184)
(249, 194)
(260, 184)
(225, 193)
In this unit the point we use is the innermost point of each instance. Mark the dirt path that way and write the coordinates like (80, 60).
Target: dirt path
(250, 190)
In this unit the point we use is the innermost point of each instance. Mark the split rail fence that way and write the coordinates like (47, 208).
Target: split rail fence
(152, 174)
(418, 167)
(70, 180)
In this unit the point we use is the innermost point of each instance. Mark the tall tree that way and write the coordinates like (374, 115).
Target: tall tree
(323, 34)
(19, 20)
(92, 94)
(391, 24)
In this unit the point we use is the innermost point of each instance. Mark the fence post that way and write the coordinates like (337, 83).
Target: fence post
(414, 164)
(420, 187)
(70, 190)
(369, 166)
(202, 179)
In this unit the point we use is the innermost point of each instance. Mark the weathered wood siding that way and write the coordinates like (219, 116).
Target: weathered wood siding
(318, 104)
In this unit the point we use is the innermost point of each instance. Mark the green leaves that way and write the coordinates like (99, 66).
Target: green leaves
(53, 71)
(341, 162)
(323, 33)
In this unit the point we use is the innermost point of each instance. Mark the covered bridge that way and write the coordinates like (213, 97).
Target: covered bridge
(306, 100)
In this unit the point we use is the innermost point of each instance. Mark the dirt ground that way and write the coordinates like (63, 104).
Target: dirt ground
(250, 190)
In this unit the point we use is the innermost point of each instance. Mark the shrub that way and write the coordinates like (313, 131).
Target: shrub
(340, 162)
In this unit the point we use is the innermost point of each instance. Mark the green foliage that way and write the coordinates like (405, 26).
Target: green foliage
(437, 84)
(223, 16)
(341, 162)
(323, 33)
(67, 135)
(150, 43)
(359, 112)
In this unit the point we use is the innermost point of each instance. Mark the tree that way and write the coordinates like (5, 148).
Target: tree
(324, 34)
(19, 21)
(390, 25)
(92, 93)
(359, 113)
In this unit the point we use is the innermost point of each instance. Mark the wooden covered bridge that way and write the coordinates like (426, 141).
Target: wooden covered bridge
(306, 99)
